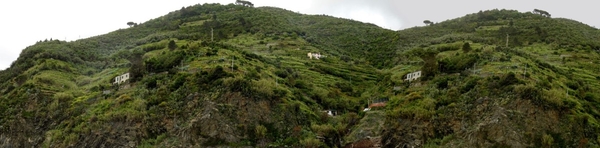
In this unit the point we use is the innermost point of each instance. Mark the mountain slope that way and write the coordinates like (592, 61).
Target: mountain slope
(228, 75)
(539, 91)
(202, 76)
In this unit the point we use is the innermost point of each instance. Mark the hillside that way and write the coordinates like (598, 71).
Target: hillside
(229, 75)
(539, 91)
(205, 75)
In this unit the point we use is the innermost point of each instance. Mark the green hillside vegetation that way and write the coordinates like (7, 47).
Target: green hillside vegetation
(231, 75)
(540, 91)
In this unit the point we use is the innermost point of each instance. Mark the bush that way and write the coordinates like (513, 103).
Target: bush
(528, 92)
(509, 79)
(441, 82)
(414, 96)
(218, 73)
(177, 81)
(172, 45)
(547, 140)
(552, 98)
(458, 63)
(345, 87)
(573, 85)
(164, 62)
(470, 84)
(592, 97)
(281, 73)
(260, 131)
(311, 142)
(63, 96)
(466, 47)
(263, 88)
(302, 84)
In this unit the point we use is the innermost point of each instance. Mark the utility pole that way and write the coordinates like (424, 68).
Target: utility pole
(507, 40)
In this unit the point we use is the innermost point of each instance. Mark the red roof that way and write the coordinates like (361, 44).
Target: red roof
(381, 104)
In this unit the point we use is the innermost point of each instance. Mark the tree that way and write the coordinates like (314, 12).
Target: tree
(172, 45)
(244, 3)
(427, 22)
(137, 69)
(430, 66)
(131, 24)
(541, 12)
(466, 47)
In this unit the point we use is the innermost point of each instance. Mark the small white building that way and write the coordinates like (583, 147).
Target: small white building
(315, 55)
(413, 76)
(121, 79)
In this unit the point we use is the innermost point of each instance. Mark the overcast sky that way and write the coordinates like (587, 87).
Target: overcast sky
(26, 21)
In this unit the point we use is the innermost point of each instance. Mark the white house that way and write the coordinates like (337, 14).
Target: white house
(121, 79)
(315, 55)
(413, 76)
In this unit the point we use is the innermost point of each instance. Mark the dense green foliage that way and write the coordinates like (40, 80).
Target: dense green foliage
(231, 75)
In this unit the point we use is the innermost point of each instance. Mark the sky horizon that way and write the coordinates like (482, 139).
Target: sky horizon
(72, 19)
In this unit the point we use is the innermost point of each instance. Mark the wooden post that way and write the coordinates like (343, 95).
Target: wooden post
(507, 40)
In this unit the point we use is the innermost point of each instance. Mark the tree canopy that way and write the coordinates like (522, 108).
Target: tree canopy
(131, 24)
(172, 45)
(427, 22)
(466, 47)
(541, 12)
(244, 3)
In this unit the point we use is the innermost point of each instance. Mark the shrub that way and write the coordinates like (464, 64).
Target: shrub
(414, 96)
(311, 142)
(172, 45)
(345, 87)
(552, 98)
(214, 75)
(177, 82)
(509, 79)
(466, 47)
(527, 92)
(281, 73)
(547, 140)
(458, 63)
(470, 84)
(62, 96)
(592, 97)
(573, 85)
(441, 82)
(263, 88)
(260, 131)
(302, 84)
(164, 62)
